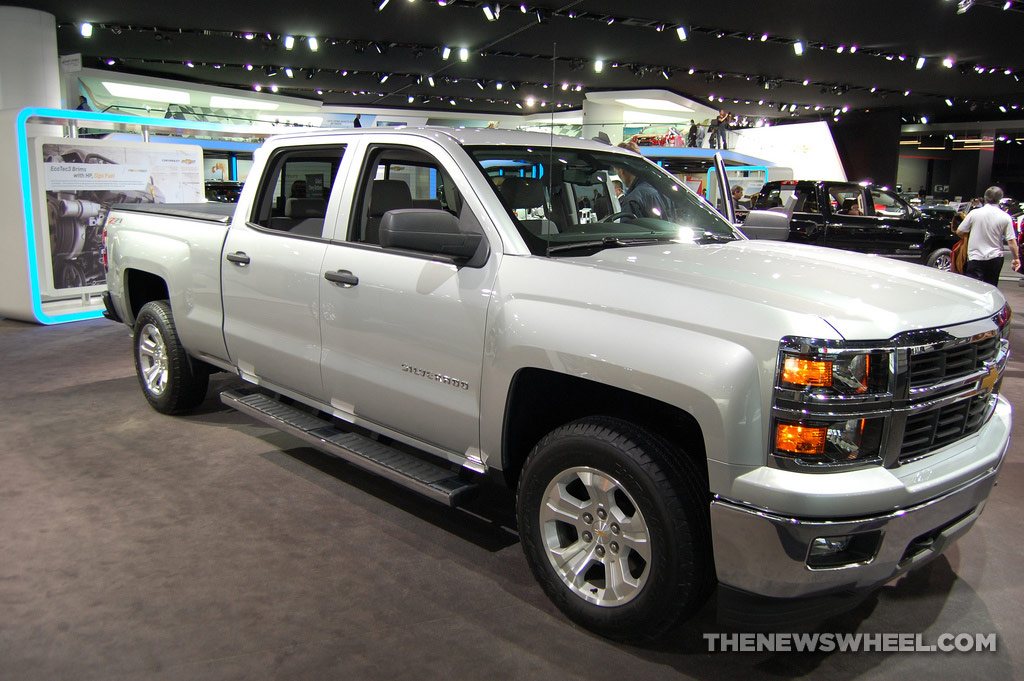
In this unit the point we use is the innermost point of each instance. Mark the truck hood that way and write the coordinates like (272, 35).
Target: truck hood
(863, 297)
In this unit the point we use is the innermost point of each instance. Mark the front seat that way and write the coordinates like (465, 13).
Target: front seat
(385, 195)
(527, 193)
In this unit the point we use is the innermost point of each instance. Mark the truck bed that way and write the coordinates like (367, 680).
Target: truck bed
(211, 211)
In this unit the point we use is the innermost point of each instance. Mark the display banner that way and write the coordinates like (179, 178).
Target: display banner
(83, 178)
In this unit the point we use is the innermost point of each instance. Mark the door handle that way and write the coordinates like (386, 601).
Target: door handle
(342, 277)
(239, 258)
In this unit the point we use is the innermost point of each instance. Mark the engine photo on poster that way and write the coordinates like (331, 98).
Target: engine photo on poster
(84, 179)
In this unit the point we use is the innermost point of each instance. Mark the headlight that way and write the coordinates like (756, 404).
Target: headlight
(827, 397)
(825, 443)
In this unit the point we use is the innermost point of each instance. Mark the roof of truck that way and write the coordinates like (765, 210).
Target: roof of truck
(464, 136)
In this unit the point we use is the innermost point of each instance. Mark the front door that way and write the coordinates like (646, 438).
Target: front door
(403, 334)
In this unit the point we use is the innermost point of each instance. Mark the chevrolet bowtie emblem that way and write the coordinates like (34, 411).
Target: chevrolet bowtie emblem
(988, 383)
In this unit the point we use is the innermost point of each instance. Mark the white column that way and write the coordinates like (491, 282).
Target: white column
(29, 66)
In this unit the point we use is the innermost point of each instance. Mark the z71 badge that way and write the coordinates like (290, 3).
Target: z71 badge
(440, 378)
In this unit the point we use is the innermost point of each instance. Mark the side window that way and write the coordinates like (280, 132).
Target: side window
(846, 199)
(396, 178)
(806, 200)
(293, 193)
(888, 204)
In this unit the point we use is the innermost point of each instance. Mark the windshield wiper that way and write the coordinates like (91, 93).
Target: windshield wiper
(607, 242)
(716, 238)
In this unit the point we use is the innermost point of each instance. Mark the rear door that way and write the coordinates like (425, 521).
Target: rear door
(271, 271)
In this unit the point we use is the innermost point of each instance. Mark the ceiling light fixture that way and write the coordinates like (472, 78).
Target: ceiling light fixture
(288, 72)
(314, 45)
(446, 52)
(598, 66)
(949, 102)
(489, 13)
(798, 47)
(920, 63)
(382, 5)
(289, 42)
(463, 54)
(764, 37)
(948, 62)
(273, 88)
(681, 33)
(85, 29)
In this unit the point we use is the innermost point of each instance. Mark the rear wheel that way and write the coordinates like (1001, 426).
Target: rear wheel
(614, 523)
(941, 259)
(170, 380)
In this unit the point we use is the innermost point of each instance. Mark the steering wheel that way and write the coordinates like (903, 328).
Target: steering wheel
(615, 216)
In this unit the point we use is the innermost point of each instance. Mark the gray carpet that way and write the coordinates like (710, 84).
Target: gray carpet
(140, 546)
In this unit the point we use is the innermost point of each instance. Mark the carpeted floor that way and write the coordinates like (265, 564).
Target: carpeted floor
(140, 546)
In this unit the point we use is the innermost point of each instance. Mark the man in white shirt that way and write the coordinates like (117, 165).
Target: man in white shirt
(988, 226)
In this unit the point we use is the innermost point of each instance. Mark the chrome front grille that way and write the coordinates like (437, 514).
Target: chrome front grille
(935, 366)
(931, 430)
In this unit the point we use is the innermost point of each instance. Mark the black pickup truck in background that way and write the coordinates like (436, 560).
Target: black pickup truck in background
(851, 216)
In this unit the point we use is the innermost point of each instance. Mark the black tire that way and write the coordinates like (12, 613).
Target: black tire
(941, 259)
(669, 499)
(171, 381)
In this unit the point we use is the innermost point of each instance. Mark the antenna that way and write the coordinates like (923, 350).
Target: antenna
(551, 138)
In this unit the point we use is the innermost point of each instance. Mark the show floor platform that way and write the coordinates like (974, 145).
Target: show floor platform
(140, 546)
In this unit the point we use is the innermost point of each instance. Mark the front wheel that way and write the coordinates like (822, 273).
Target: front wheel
(170, 380)
(941, 259)
(614, 523)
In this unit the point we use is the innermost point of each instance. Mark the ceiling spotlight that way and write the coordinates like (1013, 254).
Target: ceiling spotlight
(289, 42)
(288, 72)
(840, 49)
(711, 97)
(598, 66)
(411, 99)
(480, 84)
(949, 102)
(920, 63)
(273, 88)
(384, 78)
(963, 6)
(319, 91)
(248, 36)
(111, 61)
(807, 81)
(313, 44)
(188, 64)
(257, 87)
(463, 54)
(681, 32)
(452, 102)
(498, 86)
(853, 49)
(430, 81)
(85, 29)
(798, 47)
(530, 101)
(906, 93)
(1007, 5)
(1002, 108)
(248, 67)
(948, 62)
(764, 37)
(446, 52)
(492, 14)
(382, 5)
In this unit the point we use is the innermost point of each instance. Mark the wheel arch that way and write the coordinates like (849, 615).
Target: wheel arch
(141, 287)
(540, 400)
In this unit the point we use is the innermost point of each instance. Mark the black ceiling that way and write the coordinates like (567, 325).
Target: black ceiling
(359, 44)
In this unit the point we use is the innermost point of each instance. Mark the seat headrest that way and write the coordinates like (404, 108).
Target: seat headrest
(305, 208)
(523, 192)
(388, 195)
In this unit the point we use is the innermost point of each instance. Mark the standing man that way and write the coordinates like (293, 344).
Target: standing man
(987, 227)
(737, 198)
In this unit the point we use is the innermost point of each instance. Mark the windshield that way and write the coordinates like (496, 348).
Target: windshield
(566, 201)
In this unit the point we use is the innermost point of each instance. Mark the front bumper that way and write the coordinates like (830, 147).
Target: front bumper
(764, 553)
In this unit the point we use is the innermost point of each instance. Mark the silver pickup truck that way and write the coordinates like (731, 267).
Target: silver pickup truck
(676, 405)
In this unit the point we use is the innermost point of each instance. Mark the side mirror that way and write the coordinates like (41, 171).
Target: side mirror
(766, 224)
(429, 231)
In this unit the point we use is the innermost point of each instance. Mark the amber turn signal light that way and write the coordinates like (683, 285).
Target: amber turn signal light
(797, 371)
(797, 439)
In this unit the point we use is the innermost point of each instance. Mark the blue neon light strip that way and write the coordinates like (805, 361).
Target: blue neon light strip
(233, 168)
(26, 189)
